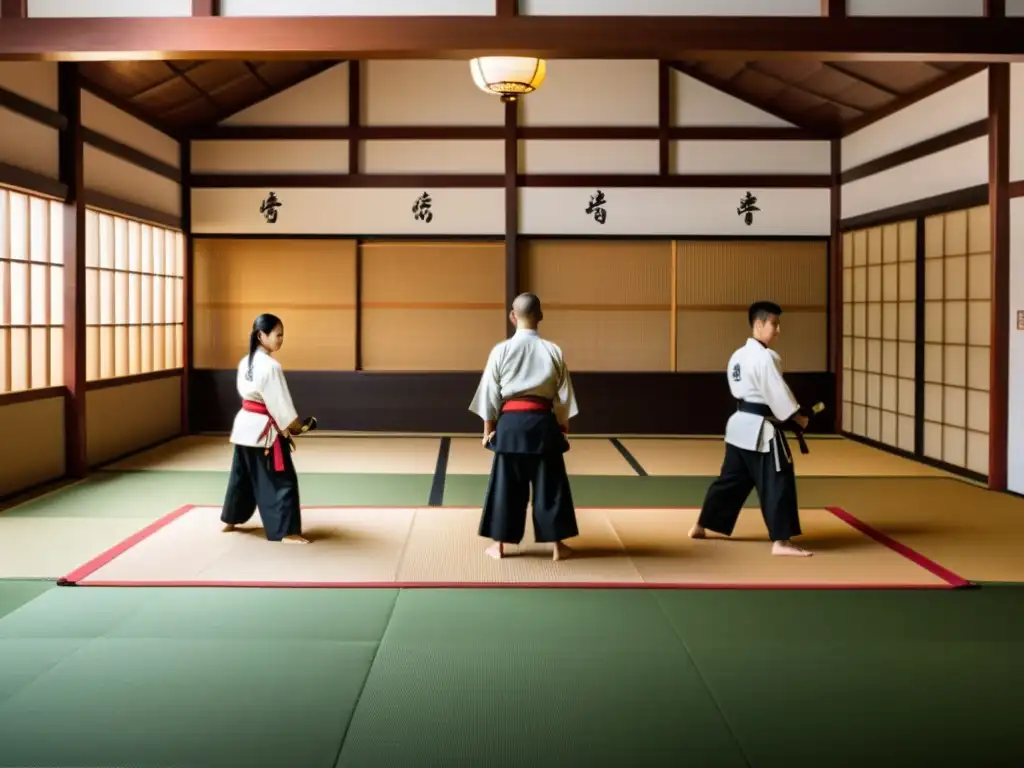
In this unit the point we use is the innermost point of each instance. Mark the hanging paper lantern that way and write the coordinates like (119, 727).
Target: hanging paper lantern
(508, 76)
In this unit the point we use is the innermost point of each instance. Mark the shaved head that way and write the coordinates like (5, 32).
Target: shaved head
(527, 308)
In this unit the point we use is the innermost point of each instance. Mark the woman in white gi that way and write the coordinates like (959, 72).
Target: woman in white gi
(262, 472)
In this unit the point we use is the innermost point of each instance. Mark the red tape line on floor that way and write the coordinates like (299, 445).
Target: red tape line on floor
(953, 579)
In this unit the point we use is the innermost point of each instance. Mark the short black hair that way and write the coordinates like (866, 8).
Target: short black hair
(761, 310)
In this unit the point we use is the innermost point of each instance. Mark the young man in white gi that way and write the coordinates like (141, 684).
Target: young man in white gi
(756, 451)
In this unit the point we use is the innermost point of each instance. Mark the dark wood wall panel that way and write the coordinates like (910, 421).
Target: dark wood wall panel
(610, 403)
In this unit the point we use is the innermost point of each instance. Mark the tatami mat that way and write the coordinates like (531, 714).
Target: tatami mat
(412, 454)
(586, 456)
(46, 548)
(435, 546)
(975, 532)
(827, 458)
(370, 455)
(334, 455)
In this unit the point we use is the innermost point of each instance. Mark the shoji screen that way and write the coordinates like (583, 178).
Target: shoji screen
(958, 264)
(879, 299)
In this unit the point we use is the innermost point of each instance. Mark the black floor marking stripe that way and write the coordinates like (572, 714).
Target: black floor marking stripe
(629, 457)
(440, 472)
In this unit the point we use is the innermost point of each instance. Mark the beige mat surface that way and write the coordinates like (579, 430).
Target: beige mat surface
(332, 455)
(973, 531)
(439, 546)
(369, 455)
(828, 457)
(49, 547)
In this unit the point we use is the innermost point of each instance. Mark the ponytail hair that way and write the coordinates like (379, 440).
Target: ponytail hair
(265, 323)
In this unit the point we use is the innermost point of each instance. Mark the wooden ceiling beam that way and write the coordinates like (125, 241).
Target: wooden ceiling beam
(982, 39)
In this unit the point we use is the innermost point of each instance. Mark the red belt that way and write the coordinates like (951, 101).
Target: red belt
(533, 404)
(254, 407)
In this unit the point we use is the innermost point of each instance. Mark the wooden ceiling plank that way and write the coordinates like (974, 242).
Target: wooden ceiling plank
(936, 85)
(255, 73)
(755, 67)
(869, 81)
(736, 93)
(222, 114)
(195, 86)
(981, 39)
(155, 86)
(126, 106)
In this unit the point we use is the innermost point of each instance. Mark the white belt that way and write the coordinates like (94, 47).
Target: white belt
(780, 439)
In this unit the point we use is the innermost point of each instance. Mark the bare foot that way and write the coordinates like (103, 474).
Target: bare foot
(788, 548)
(496, 550)
(228, 528)
(295, 540)
(560, 551)
(697, 532)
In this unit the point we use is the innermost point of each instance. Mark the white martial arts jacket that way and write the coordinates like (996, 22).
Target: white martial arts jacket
(525, 365)
(269, 387)
(755, 375)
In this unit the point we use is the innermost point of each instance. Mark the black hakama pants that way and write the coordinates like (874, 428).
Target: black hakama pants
(744, 470)
(254, 483)
(529, 453)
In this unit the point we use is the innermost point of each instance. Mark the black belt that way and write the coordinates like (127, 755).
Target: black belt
(760, 409)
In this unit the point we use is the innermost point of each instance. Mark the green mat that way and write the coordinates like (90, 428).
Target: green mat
(858, 678)
(221, 677)
(151, 494)
(14, 593)
(563, 678)
(185, 677)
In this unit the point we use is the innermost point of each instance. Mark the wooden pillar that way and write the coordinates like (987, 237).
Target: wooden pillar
(188, 301)
(511, 209)
(833, 7)
(999, 209)
(673, 327)
(664, 118)
(835, 284)
(355, 155)
(510, 9)
(13, 9)
(355, 116)
(71, 173)
(205, 8)
(995, 8)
